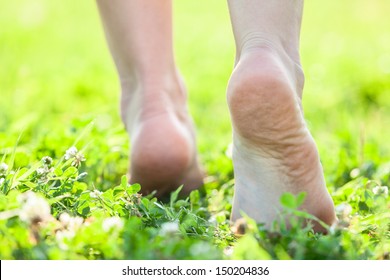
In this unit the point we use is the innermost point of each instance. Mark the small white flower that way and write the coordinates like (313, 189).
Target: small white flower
(62, 234)
(112, 223)
(76, 223)
(378, 190)
(34, 209)
(95, 194)
(343, 210)
(1, 181)
(3, 169)
(71, 223)
(43, 171)
(169, 228)
(71, 153)
(228, 251)
(64, 219)
(78, 159)
(47, 161)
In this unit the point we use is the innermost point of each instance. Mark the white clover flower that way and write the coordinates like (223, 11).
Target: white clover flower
(75, 223)
(44, 171)
(71, 153)
(228, 251)
(3, 169)
(169, 228)
(34, 209)
(112, 223)
(95, 194)
(41, 171)
(64, 219)
(78, 159)
(378, 190)
(47, 161)
(71, 223)
(343, 210)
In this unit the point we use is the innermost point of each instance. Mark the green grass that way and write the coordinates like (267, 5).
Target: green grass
(57, 78)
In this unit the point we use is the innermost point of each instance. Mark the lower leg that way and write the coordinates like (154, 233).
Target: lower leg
(273, 149)
(153, 98)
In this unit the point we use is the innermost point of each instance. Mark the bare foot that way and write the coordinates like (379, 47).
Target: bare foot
(163, 155)
(273, 151)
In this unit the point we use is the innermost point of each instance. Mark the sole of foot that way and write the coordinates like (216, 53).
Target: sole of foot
(273, 151)
(163, 147)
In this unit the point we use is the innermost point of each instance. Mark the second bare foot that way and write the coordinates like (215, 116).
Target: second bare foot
(163, 155)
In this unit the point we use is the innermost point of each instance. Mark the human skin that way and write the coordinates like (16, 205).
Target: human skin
(273, 150)
(153, 95)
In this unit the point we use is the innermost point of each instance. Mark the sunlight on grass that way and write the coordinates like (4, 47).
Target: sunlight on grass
(57, 77)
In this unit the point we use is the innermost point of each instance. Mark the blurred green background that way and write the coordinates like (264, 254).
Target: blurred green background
(56, 76)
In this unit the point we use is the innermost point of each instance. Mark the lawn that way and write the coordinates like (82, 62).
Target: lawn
(58, 89)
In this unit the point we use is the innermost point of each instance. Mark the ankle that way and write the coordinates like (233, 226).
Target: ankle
(288, 57)
(169, 81)
(145, 96)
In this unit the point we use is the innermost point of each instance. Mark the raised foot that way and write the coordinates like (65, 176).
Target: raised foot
(163, 151)
(164, 156)
(273, 151)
